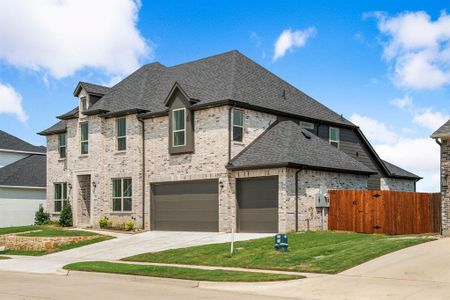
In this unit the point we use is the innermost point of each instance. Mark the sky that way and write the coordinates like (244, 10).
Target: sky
(384, 65)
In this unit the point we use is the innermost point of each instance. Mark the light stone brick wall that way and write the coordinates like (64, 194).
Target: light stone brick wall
(445, 186)
(396, 184)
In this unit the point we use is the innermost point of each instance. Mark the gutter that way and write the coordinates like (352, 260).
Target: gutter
(23, 187)
(24, 152)
(143, 171)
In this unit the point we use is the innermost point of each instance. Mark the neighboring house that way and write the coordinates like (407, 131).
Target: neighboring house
(214, 145)
(22, 180)
(442, 137)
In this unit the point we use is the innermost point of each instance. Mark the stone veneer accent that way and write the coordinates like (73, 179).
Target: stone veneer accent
(396, 184)
(26, 243)
(445, 186)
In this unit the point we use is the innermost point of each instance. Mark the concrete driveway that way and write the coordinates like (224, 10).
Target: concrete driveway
(122, 246)
(415, 273)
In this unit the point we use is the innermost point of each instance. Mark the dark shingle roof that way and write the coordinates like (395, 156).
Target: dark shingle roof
(443, 131)
(10, 142)
(91, 88)
(399, 172)
(59, 127)
(287, 144)
(73, 113)
(29, 171)
(227, 76)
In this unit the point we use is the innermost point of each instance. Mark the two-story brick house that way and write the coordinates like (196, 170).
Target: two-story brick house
(442, 137)
(214, 144)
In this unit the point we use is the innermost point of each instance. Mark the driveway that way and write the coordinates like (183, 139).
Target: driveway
(122, 246)
(415, 273)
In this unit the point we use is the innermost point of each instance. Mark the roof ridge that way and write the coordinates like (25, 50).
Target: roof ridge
(205, 58)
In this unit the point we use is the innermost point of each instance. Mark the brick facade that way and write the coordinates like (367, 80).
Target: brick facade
(396, 184)
(445, 186)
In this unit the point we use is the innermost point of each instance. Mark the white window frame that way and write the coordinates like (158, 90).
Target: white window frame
(122, 197)
(86, 140)
(62, 200)
(121, 136)
(82, 100)
(329, 136)
(62, 146)
(307, 125)
(238, 126)
(178, 130)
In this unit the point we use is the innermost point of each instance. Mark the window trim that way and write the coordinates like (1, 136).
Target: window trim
(179, 130)
(238, 126)
(87, 138)
(334, 141)
(60, 146)
(122, 198)
(84, 100)
(62, 200)
(119, 137)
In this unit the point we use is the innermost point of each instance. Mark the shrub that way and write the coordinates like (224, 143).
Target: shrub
(103, 222)
(41, 217)
(129, 225)
(65, 218)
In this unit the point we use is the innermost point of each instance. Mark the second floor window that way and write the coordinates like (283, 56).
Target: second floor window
(238, 125)
(84, 105)
(121, 134)
(334, 136)
(84, 137)
(60, 195)
(62, 145)
(179, 127)
(121, 194)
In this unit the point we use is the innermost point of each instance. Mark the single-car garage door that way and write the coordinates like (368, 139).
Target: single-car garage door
(185, 206)
(258, 204)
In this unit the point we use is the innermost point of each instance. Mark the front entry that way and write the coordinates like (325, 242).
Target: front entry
(84, 200)
(257, 199)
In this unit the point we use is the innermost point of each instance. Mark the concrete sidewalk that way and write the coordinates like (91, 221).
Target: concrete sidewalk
(415, 273)
(120, 247)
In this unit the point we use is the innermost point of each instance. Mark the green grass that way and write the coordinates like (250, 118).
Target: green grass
(55, 231)
(3, 257)
(18, 229)
(321, 252)
(177, 272)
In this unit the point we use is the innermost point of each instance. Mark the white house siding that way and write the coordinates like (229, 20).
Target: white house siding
(18, 205)
(7, 158)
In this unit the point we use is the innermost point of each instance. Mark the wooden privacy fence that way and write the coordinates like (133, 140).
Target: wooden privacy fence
(384, 212)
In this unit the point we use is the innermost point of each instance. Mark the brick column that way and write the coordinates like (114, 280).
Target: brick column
(445, 186)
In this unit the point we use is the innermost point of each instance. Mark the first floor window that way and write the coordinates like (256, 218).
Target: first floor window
(179, 127)
(334, 136)
(121, 194)
(238, 125)
(121, 134)
(62, 145)
(60, 196)
(84, 137)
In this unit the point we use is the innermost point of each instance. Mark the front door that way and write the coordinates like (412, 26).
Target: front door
(84, 200)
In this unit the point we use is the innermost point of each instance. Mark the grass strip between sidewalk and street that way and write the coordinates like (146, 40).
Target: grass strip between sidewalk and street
(178, 272)
(318, 252)
(4, 257)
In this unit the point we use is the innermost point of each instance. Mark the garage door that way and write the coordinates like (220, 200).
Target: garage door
(258, 204)
(185, 206)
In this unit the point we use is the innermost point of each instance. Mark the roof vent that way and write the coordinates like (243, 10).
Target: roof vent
(284, 94)
(306, 135)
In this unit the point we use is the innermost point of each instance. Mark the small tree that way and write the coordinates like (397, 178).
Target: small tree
(41, 217)
(65, 218)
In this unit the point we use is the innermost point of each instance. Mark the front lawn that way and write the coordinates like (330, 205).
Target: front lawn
(3, 257)
(56, 231)
(177, 272)
(18, 229)
(321, 252)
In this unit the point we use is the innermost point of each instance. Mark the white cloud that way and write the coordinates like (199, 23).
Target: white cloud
(63, 36)
(418, 47)
(375, 131)
(290, 39)
(420, 156)
(11, 102)
(430, 119)
(404, 102)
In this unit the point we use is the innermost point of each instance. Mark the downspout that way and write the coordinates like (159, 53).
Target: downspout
(143, 171)
(296, 199)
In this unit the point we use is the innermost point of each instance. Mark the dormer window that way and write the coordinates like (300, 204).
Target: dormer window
(334, 136)
(84, 104)
(179, 127)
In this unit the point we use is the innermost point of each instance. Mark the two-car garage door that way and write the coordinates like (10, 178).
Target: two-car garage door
(194, 205)
(185, 206)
